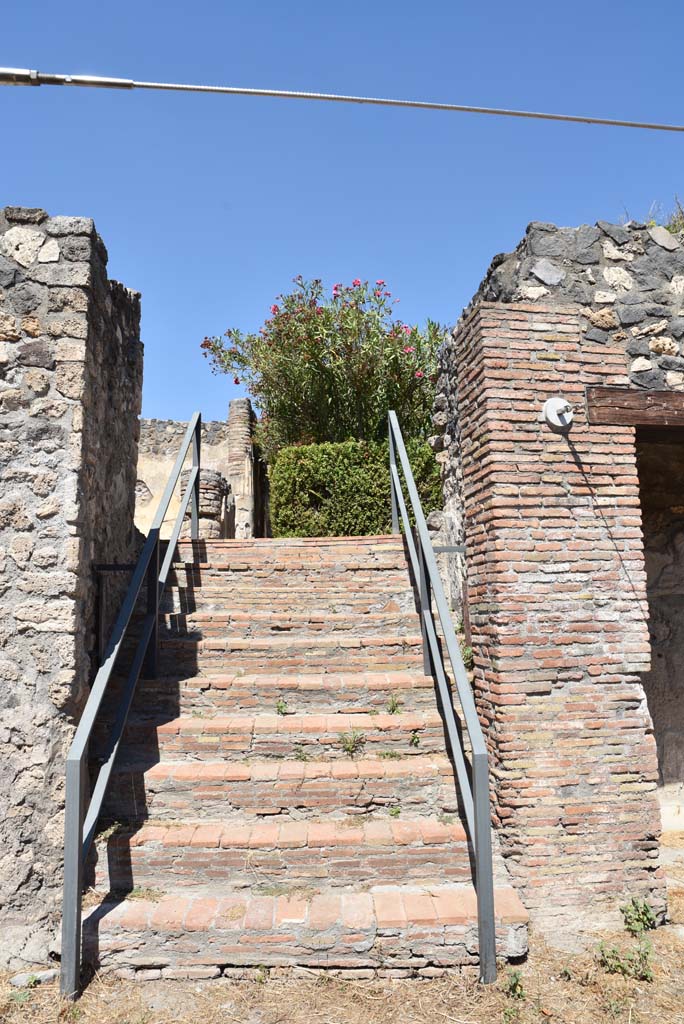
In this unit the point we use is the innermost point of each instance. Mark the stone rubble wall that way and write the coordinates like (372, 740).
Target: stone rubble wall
(240, 470)
(213, 510)
(227, 449)
(661, 478)
(628, 281)
(70, 391)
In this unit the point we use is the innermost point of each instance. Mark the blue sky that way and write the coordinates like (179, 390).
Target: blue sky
(211, 205)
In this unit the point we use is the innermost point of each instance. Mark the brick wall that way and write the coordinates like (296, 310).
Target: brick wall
(557, 602)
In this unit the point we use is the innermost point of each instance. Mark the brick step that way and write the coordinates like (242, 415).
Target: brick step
(298, 853)
(359, 692)
(367, 539)
(364, 553)
(281, 736)
(401, 930)
(309, 597)
(279, 564)
(293, 654)
(302, 788)
(276, 579)
(276, 622)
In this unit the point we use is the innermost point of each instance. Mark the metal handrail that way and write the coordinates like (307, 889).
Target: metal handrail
(475, 793)
(80, 822)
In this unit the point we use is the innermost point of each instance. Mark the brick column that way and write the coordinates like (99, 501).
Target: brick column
(557, 598)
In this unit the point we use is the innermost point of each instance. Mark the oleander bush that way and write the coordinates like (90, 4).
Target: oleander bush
(329, 367)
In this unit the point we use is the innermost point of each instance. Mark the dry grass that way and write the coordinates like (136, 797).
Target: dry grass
(559, 988)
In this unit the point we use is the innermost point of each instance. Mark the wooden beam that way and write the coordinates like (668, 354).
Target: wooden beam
(635, 408)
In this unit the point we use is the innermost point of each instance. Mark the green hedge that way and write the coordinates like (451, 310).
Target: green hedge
(343, 490)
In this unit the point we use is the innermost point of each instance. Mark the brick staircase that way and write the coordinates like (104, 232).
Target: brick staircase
(283, 797)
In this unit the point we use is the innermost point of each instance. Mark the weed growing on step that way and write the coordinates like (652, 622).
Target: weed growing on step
(352, 742)
(394, 705)
(141, 892)
(513, 984)
(390, 755)
(281, 706)
(394, 812)
(466, 654)
(299, 753)
(638, 917)
(415, 739)
(20, 997)
(261, 974)
(108, 831)
(269, 889)
(616, 1007)
(635, 963)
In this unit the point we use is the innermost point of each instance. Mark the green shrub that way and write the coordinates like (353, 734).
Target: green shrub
(328, 367)
(343, 490)
(635, 963)
(638, 917)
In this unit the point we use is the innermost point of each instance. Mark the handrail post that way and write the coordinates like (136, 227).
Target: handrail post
(152, 656)
(475, 790)
(196, 461)
(425, 608)
(73, 878)
(80, 821)
(393, 465)
(484, 879)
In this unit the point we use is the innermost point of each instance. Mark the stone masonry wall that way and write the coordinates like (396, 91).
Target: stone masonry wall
(661, 476)
(557, 601)
(241, 466)
(227, 448)
(70, 389)
(160, 442)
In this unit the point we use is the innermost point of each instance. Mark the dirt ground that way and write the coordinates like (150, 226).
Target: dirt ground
(552, 988)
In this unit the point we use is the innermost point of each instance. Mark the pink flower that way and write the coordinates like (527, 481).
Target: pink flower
(409, 349)
(356, 282)
(387, 294)
(407, 329)
(274, 309)
(419, 374)
(380, 283)
(336, 289)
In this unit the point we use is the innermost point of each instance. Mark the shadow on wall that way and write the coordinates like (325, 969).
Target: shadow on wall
(660, 459)
(135, 795)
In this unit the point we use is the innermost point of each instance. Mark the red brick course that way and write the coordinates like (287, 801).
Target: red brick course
(201, 789)
(298, 853)
(420, 926)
